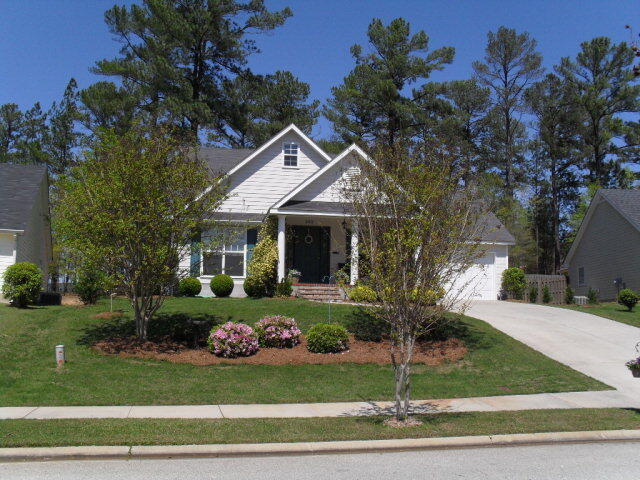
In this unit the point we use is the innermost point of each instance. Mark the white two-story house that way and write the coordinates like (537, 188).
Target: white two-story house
(292, 178)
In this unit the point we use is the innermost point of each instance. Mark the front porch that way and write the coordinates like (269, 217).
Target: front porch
(318, 246)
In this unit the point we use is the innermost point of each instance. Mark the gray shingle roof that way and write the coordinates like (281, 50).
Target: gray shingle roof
(627, 202)
(222, 160)
(19, 187)
(492, 229)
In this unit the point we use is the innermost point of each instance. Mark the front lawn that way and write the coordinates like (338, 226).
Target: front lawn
(50, 433)
(495, 364)
(612, 311)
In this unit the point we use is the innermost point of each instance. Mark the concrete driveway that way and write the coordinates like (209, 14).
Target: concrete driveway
(593, 345)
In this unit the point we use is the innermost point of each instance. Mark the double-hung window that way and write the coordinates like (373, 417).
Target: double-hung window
(290, 154)
(229, 256)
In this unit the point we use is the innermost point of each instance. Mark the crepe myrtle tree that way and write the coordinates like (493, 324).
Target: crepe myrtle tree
(131, 207)
(419, 230)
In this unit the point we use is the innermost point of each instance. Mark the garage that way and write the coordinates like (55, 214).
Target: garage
(482, 280)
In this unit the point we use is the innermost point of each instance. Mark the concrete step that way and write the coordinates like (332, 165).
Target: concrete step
(319, 292)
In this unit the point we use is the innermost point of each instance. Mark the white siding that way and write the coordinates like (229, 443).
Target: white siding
(34, 245)
(328, 187)
(265, 180)
(7, 253)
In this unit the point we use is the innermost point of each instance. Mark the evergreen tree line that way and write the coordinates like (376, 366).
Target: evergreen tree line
(540, 141)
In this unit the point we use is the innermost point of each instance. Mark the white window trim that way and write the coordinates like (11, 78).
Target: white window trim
(223, 252)
(284, 155)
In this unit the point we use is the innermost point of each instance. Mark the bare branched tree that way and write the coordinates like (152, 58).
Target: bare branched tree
(420, 230)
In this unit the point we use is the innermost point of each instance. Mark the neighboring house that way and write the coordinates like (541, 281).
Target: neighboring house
(292, 178)
(605, 254)
(25, 235)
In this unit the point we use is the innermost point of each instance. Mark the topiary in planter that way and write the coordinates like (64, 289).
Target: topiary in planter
(628, 298)
(189, 287)
(277, 331)
(22, 284)
(327, 338)
(233, 340)
(222, 285)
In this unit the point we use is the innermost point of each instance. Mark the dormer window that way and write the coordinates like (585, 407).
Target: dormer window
(290, 154)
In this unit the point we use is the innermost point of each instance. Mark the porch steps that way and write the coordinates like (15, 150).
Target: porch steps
(319, 291)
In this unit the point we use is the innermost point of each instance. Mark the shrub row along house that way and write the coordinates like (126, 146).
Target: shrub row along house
(605, 255)
(292, 178)
(25, 234)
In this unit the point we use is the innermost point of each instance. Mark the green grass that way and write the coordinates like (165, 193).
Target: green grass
(495, 364)
(612, 311)
(40, 433)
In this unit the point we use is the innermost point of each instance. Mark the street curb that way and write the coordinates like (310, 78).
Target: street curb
(311, 448)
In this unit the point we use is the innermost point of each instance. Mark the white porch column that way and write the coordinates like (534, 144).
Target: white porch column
(281, 244)
(354, 252)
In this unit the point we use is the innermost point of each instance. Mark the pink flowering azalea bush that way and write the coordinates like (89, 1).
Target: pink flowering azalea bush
(278, 331)
(233, 340)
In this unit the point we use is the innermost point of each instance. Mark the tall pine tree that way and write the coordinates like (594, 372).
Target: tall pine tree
(179, 53)
(372, 103)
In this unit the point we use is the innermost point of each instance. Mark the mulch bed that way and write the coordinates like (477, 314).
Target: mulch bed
(429, 353)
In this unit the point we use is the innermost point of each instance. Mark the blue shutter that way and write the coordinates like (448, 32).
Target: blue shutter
(195, 256)
(252, 239)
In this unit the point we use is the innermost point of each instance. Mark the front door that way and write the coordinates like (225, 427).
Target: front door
(311, 253)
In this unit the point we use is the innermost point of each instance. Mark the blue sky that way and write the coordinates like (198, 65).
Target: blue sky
(43, 43)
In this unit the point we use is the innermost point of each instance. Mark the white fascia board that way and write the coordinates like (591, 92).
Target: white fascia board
(290, 128)
(283, 132)
(352, 148)
(310, 214)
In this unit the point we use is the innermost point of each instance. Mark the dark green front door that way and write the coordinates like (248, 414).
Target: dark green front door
(311, 253)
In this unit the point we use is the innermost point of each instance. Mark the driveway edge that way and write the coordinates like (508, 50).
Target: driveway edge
(309, 448)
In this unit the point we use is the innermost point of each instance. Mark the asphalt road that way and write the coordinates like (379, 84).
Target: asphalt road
(611, 461)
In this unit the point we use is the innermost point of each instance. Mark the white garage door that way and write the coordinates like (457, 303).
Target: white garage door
(479, 281)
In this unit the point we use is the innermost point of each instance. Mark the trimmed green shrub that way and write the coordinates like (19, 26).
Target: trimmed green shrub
(284, 288)
(189, 287)
(22, 284)
(253, 287)
(514, 282)
(327, 338)
(546, 294)
(533, 293)
(592, 296)
(366, 327)
(628, 298)
(90, 285)
(569, 296)
(362, 294)
(222, 285)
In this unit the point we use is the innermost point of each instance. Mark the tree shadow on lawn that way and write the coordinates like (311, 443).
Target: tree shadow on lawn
(192, 330)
